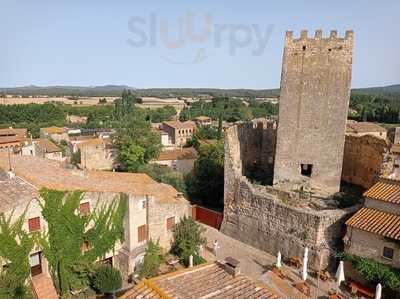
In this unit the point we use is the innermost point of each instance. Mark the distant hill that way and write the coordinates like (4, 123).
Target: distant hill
(116, 90)
(393, 90)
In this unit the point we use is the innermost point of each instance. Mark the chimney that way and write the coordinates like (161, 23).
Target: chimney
(232, 266)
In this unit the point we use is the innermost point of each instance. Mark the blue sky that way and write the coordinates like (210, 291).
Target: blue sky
(95, 42)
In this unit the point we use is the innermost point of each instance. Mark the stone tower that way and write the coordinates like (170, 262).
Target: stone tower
(313, 105)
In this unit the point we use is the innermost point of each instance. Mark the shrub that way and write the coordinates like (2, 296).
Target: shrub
(107, 279)
(373, 271)
(187, 239)
(152, 261)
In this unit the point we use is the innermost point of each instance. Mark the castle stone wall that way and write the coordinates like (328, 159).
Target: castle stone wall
(365, 159)
(313, 105)
(270, 219)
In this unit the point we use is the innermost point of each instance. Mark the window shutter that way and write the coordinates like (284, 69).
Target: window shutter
(34, 224)
(170, 223)
(84, 208)
(142, 233)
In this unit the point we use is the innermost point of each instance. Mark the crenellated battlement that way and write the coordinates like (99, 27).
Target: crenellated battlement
(319, 36)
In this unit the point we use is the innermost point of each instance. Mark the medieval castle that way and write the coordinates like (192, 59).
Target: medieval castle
(301, 154)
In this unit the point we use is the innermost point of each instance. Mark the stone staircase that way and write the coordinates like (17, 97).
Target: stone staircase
(42, 287)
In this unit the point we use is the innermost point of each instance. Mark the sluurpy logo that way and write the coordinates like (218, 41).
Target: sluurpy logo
(158, 31)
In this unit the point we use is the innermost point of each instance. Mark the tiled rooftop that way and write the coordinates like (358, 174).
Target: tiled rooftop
(363, 127)
(180, 125)
(378, 222)
(91, 142)
(386, 190)
(42, 172)
(53, 130)
(204, 281)
(48, 146)
(178, 154)
(14, 192)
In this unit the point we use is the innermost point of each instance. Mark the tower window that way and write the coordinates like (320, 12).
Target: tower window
(304, 48)
(306, 169)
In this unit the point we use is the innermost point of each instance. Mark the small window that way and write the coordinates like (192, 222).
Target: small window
(142, 204)
(304, 48)
(306, 169)
(388, 253)
(170, 223)
(34, 224)
(84, 208)
(141, 233)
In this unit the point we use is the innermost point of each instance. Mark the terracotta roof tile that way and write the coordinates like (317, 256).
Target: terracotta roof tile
(91, 142)
(180, 125)
(363, 127)
(53, 130)
(178, 154)
(10, 135)
(48, 146)
(42, 172)
(205, 281)
(385, 190)
(378, 222)
(14, 192)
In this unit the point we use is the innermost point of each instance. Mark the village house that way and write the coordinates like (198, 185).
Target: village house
(202, 120)
(54, 133)
(12, 139)
(179, 132)
(153, 208)
(221, 279)
(181, 160)
(374, 231)
(97, 154)
(45, 148)
(365, 128)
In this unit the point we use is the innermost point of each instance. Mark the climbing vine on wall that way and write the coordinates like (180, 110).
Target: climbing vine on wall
(69, 231)
(15, 247)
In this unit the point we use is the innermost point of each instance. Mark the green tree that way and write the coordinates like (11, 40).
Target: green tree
(131, 156)
(107, 279)
(68, 231)
(208, 175)
(188, 237)
(152, 261)
(15, 247)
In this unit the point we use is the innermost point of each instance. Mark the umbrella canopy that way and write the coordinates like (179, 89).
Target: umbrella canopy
(304, 273)
(278, 260)
(340, 274)
(305, 262)
(378, 292)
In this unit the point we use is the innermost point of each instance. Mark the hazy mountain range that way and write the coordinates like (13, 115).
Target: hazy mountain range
(116, 90)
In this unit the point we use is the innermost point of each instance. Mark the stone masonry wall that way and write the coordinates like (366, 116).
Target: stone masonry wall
(265, 218)
(257, 150)
(364, 170)
(313, 105)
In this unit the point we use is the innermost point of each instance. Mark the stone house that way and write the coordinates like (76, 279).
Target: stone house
(13, 139)
(365, 128)
(181, 160)
(374, 231)
(54, 133)
(97, 154)
(46, 149)
(153, 208)
(179, 132)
